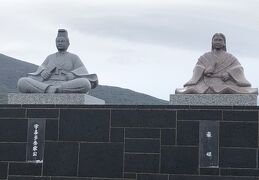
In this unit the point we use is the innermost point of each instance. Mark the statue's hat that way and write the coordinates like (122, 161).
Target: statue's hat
(62, 33)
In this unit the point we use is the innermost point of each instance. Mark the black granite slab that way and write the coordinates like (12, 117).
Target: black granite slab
(179, 160)
(142, 133)
(84, 125)
(199, 115)
(143, 118)
(240, 115)
(142, 145)
(237, 158)
(168, 136)
(101, 160)
(239, 134)
(25, 169)
(13, 130)
(186, 177)
(3, 170)
(60, 159)
(142, 163)
(117, 135)
(12, 151)
(188, 133)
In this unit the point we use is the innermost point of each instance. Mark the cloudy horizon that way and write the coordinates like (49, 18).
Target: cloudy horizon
(148, 46)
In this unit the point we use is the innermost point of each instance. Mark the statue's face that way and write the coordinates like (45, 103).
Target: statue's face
(62, 43)
(218, 42)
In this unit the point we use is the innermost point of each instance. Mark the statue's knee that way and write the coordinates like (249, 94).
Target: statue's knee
(85, 83)
(22, 84)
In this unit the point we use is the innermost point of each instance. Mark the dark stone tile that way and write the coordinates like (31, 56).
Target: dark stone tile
(142, 145)
(240, 116)
(70, 178)
(101, 160)
(33, 169)
(210, 107)
(199, 115)
(179, 160)
(130, 175)
(84, 106)
(12, 151)
(111, 179)
(178, 107)
(238, 134)
(39, 106)
(168, 136)
(12, 113)
(8, 106)
(3, 170)
(27, 178)
(60, 159)
(142, 133)
(152, 107)
(117, 135)
(142, 163)
(245, 107)
(84, 125)
(186, 177)
(51, 132)
(237, 158)
(209, 171)
(144, 118)
(239, 172)
(13, 130)
(152, 177)
(188, 133)
(43, 113)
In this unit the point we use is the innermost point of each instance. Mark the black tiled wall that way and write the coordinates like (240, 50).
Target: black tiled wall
(129, 143)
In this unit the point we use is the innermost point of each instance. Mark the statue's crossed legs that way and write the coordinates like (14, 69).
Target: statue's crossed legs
(29, 85)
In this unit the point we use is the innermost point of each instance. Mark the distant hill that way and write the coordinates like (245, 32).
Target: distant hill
(116, 95)
(12, 69)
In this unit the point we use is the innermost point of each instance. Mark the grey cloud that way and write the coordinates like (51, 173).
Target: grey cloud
(187, 26)
(178, 28)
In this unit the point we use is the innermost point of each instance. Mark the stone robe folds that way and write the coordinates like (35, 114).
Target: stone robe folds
(220, 63)
(59, 64)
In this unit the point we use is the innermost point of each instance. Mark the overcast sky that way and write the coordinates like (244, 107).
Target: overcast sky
(149, 46)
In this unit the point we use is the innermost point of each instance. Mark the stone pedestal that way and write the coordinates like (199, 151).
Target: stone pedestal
(40, 98)
(214, 99)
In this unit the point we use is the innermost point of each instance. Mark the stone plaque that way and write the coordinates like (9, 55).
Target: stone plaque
(35, 140)
(209, 144)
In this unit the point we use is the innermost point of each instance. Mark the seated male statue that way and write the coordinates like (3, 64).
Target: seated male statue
(61, 72)
(217, 72)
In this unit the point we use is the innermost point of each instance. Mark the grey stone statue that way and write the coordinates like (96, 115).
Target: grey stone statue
(217, 72)
(61, 72)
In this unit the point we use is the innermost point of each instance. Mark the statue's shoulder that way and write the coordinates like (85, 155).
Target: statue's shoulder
(205, 56)
(73, 56)
(51, 55)
(230, 56)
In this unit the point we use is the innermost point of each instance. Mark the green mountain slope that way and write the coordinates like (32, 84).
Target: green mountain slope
(12, 69)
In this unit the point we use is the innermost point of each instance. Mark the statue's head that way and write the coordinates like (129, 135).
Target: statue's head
(62, 41)
(219, 42)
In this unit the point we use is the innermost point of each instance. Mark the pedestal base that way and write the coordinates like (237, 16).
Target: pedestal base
(40, 98)
(214, 99)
